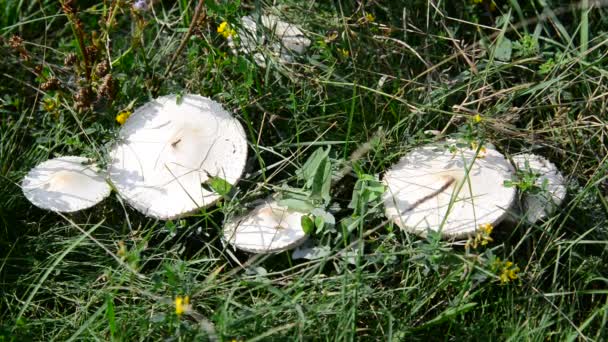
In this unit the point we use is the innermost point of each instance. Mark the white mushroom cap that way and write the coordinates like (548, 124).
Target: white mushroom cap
(285, 39)
(269, 228)
(543, 204)
(167, 150)
(65, 184)
(430, 189)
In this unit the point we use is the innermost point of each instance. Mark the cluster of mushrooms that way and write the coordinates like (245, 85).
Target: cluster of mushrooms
(171, 146)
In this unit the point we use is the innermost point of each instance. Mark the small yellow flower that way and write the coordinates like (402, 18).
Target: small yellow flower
(507, 271)
(222, 27)
(477, 1)
(487, 228)
(482, 150)
(122, 117)
(49, 104)
(477, 118)
(370, 18)
(344, 52)
(512, 273)
(225, 30)
(482, 237)
(182, 305)
(331, 36)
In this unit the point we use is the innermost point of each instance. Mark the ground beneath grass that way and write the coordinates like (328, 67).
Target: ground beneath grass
(379, 79)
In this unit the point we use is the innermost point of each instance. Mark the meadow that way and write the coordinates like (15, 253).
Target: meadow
(379, 79)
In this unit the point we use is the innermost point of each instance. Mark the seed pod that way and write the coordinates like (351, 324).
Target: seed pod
(70, 59)
(102, 68)
(51, 84)
(91, 52)
(107, 88)
(83, 98)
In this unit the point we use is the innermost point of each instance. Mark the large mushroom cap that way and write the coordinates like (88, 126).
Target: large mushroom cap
(431, 189)
(282, 39)
(269, 228)
(65, 184)
(542, 204)
(167, 150)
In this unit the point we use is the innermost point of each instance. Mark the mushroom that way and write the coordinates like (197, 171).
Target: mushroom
(169, 148)
(540, 205)
(269, 228)
(285, 39)
(65, 184)
(453, 192)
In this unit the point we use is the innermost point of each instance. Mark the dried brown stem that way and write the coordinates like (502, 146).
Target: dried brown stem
(182, 45)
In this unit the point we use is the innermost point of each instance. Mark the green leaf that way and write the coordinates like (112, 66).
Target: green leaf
(503, 49)
(319, 222)
(219, 185)
(308, 226)
(322, 181)
(296, 204)
(316, 160)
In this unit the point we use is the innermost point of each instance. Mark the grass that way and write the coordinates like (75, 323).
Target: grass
(111, 274)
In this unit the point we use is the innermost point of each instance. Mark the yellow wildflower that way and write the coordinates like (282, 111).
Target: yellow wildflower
(122, 117)
(477, 1)
(513, 273)
(482, 150)
(344, 52)
(487, 228)
(507, 271)
(370, 18)
(503, 278)
(482, 237)
(331, 36)
(182, 305)
(477, 118)
(49, 104)
(225, 30)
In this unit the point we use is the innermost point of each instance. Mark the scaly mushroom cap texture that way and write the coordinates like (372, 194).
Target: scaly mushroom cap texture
(283, 39)
(168, 149)
(65, 184)
(454, 192)
(541, 205)
(269, 228)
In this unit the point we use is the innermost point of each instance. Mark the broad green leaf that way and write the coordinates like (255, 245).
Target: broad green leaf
(322, 181)
(311, 253)
(319, 222)
(296, 204)
(309, 169)
(308, 226)
(219, 185)
(503, 49)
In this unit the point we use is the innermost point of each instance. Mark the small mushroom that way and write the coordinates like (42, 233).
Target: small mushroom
(283, 39)
(269, 228)
(169, 148)
(540, 205)
(453, 192)
(65, 184)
